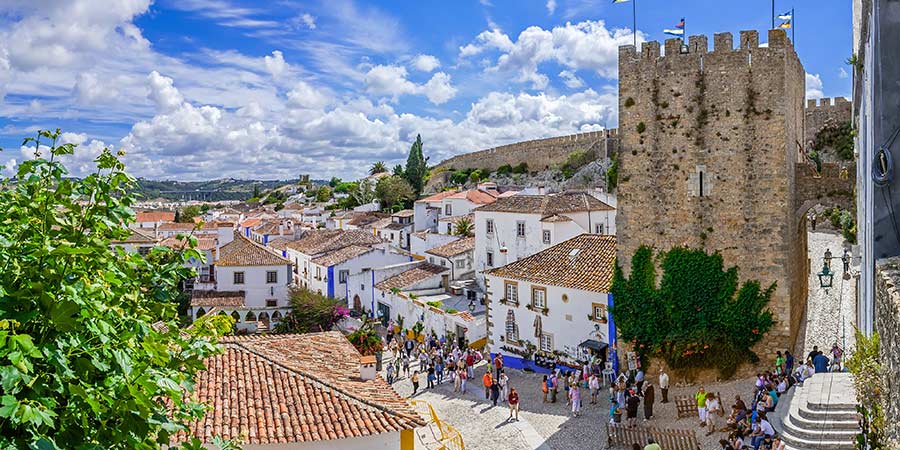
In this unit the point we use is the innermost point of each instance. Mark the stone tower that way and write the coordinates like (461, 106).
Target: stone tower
(709, 149)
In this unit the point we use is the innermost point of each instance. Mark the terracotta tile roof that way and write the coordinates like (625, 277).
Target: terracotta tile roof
(280, 389)
(380, 223)
(508, 194)
(203, 243)
(154, 216)
(454, 248)
(316, 242)
(408, 277)
(344, 254)
(585, 262)
(251, 223)
(556, 218)
(279, 243)
(228, 299)
(398, 226)
(187, 227)
(272, 227)
(476, 196)
(465, 315)
(243, 252)
(364, 219)
(137, 237)
(437, 197)
(566, 202)
(404, 213)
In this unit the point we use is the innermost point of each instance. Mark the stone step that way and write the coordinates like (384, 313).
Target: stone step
(798, 442)
(803, 422)
(818, 431)
(824, 415)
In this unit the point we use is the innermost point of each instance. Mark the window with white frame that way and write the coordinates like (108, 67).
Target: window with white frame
(318, 273)
(512, 292)
(460, 264)
(271, 276)
(599, 312)
(598, 228)
(538, 297)
(520, 229)
(546, 236)
(343, 275)
(489, 226)
(547, 343)
(239, 278)
(448, 210)
(490, 259)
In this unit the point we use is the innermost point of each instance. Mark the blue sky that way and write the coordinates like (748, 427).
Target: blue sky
(201, 89)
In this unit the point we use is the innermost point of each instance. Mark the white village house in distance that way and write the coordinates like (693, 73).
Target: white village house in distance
(553, 304)
(248, 283)
(521, 225)
(306, 392)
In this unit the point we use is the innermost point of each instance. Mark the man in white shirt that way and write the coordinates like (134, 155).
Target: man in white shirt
(664, 385)
(764, 429)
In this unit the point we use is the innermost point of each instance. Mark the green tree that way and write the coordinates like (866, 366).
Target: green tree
(323, 194)
(398, 170)
(364, 192)
(255, 191)
(394, 192)
(378, 167)
(91, 354)
(612, 175)
(310, 312)
(416, 167)
(699, 316)
(188, 213)
(464, 227)
(334, 182)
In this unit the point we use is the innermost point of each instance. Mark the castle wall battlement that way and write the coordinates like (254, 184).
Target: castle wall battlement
(723, 43)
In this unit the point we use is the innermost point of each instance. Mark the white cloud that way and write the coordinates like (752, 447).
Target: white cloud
(426, 63)
(10, 167)
(164, 93)
(551, 6)
(391, 81)
(587, 45)
(570, 79)
(275, 64)
(842, 73)
(307, 97)
(814, 86)
(307, 20)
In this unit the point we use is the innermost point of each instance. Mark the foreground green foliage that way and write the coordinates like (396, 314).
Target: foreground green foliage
(91, 356)
(394, 193)
(865, 365)
(697, 317)
(836, 136)
(365, 338)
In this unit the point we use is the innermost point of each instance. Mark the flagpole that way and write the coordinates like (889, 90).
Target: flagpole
(773, 14)
(634, 22)
(793, 27)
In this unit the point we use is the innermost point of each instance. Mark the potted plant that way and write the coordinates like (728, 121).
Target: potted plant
(367, 342)
(398, 325)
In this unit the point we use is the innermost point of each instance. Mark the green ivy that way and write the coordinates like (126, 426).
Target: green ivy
(697, 317)
(836, 136)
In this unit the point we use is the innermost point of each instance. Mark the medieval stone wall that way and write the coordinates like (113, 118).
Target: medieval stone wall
(539, 154)
(834, 186)
(708, 156)
(827, 112)
(887, 324)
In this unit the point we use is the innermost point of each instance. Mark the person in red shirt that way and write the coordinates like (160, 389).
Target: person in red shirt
(488, 380)
(513, 404)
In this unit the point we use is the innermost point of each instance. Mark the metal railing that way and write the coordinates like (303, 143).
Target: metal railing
(449, 437)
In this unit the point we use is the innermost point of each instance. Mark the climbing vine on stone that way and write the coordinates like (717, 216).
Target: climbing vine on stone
(698, 317)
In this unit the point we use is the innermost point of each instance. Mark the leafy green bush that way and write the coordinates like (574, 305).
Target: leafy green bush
(435, 303)
(836, 136)
(505, 169)
(641, 127)
(865, 365)
(91, 352)
(476, 176)
(522, 167)
(848, 227)
(699, 317)
(612, 175)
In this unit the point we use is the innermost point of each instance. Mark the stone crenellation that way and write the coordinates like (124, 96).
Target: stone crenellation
(825, 112)
(709, 145)
(540, 154)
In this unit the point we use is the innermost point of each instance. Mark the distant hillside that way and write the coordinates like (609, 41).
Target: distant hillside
(212, 190)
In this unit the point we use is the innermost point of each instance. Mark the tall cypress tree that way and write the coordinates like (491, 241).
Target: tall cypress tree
(416, 166)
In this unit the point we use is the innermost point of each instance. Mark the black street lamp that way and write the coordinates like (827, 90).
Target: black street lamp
(472, 305)
(826, 276)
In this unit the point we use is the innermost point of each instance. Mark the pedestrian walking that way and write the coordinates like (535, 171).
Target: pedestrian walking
(575, 397)
(415, 381)
(649, 398)
(504, 385)
(700, 397)
(463, 377)
(495, 392)
(836, 354)
(487, 380)
(431, 377)
(594, 386)
(405, 363)
(664, 385)
(553, 384)
(639, 379)
(545, 388)
(439, 370)
(713, 410)
(788, 362)
(631, 410)
(513, 401)
(390, 373)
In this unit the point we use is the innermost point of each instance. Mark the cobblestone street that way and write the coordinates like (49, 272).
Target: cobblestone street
(830, 313)
(541, 425)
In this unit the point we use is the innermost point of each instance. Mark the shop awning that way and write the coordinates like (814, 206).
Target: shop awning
(593, 344)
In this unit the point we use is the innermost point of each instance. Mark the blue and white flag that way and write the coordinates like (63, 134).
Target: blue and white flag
(786, 16)
(678, 31)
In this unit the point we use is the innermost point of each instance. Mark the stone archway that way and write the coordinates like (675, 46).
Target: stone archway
(264, 319)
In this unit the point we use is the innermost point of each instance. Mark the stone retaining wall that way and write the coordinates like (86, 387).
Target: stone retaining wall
(887, 324)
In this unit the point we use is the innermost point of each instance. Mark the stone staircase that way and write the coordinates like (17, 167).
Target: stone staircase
(822, 414)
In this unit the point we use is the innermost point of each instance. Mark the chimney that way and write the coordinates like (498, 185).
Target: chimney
(367, 367)
(225, 232)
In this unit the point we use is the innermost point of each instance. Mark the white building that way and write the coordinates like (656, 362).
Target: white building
(250, 283)
(306, 392)
(152, 219)
(522, 225)
(140, 241)
(419, 292)
(430, 210)
(422, 241)
(458, 256)
(555, 303)
(398, 230)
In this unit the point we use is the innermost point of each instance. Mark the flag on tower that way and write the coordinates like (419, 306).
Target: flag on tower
(620, 1)
(785, 25)
(786, 16)
(678, 31)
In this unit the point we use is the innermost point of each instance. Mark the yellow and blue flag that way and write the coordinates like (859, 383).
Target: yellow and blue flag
(785, 25)
(620, 1)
